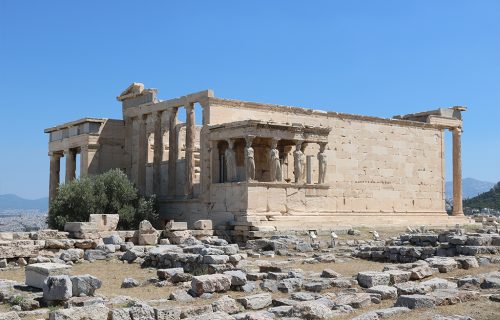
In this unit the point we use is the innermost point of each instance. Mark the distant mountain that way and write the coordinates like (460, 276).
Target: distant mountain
(11, 201)
(489, 199)
(470, 188)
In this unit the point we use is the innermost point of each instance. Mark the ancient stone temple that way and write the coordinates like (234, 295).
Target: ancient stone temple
(252, 166)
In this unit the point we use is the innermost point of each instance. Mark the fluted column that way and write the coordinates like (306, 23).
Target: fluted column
(190, 132)
(55, 165)
(172, 153)
(158, 154)
(70, 156)
(457, 172)
(143, 155)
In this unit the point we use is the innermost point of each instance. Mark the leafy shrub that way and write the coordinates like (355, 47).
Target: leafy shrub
(107, 193)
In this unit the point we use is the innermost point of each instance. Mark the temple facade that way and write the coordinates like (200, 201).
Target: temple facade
(253, 167)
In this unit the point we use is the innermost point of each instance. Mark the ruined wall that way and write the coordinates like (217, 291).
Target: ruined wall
(374, 165)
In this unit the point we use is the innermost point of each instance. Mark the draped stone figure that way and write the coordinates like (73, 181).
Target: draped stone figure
(230, 162)
(299, 163)
(249, 158)
(275, 165)
(250, 161)
(322, 164)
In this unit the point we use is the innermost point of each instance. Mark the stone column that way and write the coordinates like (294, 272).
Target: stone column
(143, 155)
(190, 132)
(173, 151)
(309, 169)
(55, 162)
(457, 172)
(88, 161)
(70, 156)
(230, 161)
(158, 154)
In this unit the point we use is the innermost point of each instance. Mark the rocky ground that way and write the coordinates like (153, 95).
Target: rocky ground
(283, 277)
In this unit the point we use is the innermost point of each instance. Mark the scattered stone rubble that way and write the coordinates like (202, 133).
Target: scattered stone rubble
(204, 268)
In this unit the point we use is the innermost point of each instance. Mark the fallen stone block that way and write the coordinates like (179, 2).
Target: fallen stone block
(37, 273)
(203, 225)
(467, 262)
(165, 274)
(444, 297)
(93, 254)
(369, 279)
(469, 281)
(105, 222)
(290, 285)
(256, 302)
(176, 226)
(57, 288)
(71, 255)
(355, 300)
(85, 285)
(410, 287)
(415, 301)
(421, 272)
(329, 273)
(238, 277)
(167, 313)
(142, 311)
(130, 283)
(312, 310)
(490, 283)
(216, 259)
(228, 305)
(443, 264)
(438, 283)
(95, 312)
(385, 292)
(210, 283)
(398, 276)
(147, 239)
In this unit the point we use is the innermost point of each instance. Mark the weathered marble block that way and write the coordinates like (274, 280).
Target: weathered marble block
(37, 273)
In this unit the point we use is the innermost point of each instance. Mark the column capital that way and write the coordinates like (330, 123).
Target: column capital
(55, 154)
(230, 143)
(249, 140)
(322, 146)
(189, 106)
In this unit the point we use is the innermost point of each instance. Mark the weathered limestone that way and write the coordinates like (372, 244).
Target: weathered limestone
(143, 154)
(55, 164)
(105, 222)
(148, 236)
(190, 130)
(158, 153)
(249, 160)
(457, 172)
(211, 283)
(70, 156)
(172, 153)
(37, 273)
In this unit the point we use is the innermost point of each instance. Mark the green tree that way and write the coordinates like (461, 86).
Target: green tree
(107, 193)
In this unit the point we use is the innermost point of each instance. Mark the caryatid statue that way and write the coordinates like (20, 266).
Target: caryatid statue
(299, 163)
(274, 162)
(230, 161)
(322, 163)
(249, 159)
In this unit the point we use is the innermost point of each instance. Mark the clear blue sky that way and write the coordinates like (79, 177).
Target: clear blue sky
(63, 60)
